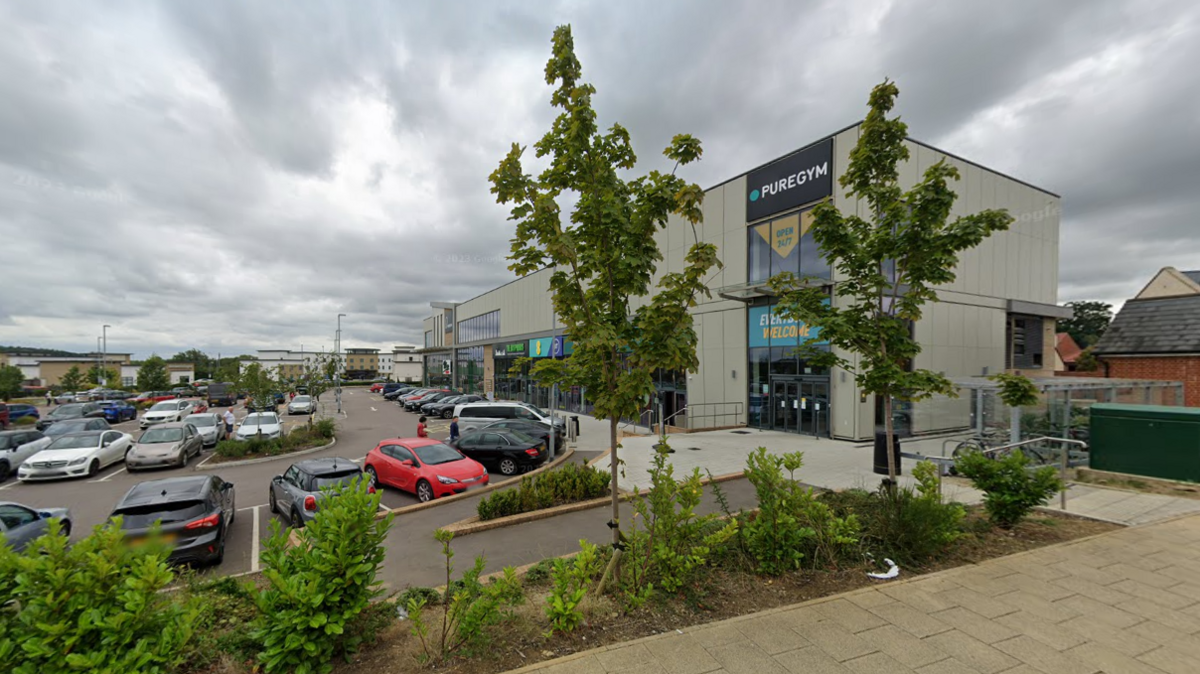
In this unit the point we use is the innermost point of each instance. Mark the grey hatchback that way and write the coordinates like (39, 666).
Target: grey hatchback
(297, 493)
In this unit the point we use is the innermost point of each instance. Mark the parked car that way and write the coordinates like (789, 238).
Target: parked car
(166, 411)
(154, 397)
(64, 397)
(534, 429)
(260, 424)
(221, 394)
(20, 525)
(376, 388)
(116, 411)
(269, 404)
(71, 411)
(427, 405)
(5, 418)
(77, 426)
(170, 444)
(298, 492)
(209, 425)
(20, 411)
(477, 414)
(425, 467)
(183, 391)
(17, 446)
(395, 394)
(301, 405)
(445, 407)
(510, 451)
(419, 404)
(76, 455)
(194, 512)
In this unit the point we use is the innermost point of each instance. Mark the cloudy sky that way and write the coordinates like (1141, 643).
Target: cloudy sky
(232, 175)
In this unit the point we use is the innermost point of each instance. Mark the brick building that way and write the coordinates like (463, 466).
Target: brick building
(1156, 335)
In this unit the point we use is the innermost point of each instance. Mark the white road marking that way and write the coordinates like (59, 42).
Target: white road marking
(251, 507)
(210, 456)
(355, 460)
(254, 543)
(374, 410)
(110, 476)
(14, 483)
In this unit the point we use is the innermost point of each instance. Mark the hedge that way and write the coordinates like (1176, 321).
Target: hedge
(569, 483)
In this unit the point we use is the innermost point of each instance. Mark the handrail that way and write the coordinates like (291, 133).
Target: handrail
(666, 422)
(639, 419)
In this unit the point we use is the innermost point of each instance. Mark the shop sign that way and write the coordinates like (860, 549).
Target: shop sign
(561, 347)
(510, 350)
(768, 329)
(550, 347)
(540, 348)
(799, 179)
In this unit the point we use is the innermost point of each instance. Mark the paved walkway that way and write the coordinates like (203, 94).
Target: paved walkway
(1127, 601)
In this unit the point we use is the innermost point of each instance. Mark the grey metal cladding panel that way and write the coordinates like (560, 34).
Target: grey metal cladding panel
(1194, 275)
(1169, 325)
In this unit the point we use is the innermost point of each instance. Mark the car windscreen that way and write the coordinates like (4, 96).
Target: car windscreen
(157, 435)
(68, 411)
(64, 427)
(165, 407)
(75, 441)
(201, 420)
(259, 420)
(434, 454)
(301, 399)
(320, 482)
(143, 517)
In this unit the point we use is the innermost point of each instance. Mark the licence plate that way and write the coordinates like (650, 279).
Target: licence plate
(142, 540)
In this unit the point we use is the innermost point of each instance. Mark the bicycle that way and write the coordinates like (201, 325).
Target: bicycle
(994, 439)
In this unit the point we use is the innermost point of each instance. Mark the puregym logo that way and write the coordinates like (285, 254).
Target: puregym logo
(791, 181)
(803, 177)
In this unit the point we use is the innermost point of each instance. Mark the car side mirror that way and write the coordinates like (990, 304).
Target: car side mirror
(277, 478)
(409, 463)
(106, 443)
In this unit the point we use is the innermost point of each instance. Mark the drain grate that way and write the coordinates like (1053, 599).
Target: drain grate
(740, 432)
(694, 449)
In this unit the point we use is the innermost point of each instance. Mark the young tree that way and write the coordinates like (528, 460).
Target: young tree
(888, 265)
(73, 380)
(606, 255)
(259, 384)
(1089, 323)
(105, 377)
(153, 374)
(11, 379)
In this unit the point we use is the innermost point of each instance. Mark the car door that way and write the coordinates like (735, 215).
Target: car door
(289, 487)
(405, 475)
(224, 492)
(21, 525)
(111, 448)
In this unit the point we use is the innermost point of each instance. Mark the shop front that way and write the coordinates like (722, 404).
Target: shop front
(787, 392)
(438, 372)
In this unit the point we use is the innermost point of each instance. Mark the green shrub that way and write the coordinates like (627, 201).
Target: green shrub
(24, 421)
(1010, 489)
(569, 483)
(318, 588)
(428, 594)
(325, 428)
(471, 607)
(95, 606)
(571, 580)
(540, 571)
(673, 542)
(791, 525)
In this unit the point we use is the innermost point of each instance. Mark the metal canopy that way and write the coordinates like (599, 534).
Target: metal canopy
(745, 292)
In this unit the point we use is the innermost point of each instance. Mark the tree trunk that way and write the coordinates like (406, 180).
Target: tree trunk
(614, 565)
(890, 432)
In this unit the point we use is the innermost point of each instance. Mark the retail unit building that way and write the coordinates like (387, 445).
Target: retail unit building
(998, 315)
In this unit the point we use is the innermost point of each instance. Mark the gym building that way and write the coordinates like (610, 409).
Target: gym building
(999, 315)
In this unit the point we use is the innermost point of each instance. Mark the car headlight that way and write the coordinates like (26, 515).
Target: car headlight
(78, 461)
(446, 480)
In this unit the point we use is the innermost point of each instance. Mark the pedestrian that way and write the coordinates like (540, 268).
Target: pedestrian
(453, 429)
(291, 396)
(49, 398)
(421, 432)
(229, 419)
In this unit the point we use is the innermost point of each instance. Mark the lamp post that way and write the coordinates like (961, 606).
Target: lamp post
(337, 383)
(104, 356)
(98, 368)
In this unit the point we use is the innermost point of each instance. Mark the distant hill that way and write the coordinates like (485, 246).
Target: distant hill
(34, 351)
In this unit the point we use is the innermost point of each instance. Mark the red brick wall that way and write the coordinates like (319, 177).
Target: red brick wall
(1185, 369)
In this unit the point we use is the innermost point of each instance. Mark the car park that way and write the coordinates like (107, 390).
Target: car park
(209, 425)
(20, 411)
(425, 467)
(69, 412)
(445, 407)
(474, 415)
(265, 425)
(76, 455)
(297, 494)
(116, 411)
(301, 405)
(194, 513)
(77, 426)
(509, 451)
(164, 445)
(20, 525)
(166, 411)
(17, 446)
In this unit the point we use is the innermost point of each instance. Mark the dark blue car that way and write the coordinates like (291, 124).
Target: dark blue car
(116, 411)
(18, 410)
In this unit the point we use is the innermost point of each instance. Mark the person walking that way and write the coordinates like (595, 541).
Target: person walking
(49, 398)
(421, 431)
(229, 419)
(453, 429)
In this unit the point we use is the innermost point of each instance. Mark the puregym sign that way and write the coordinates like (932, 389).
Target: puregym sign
(802, 178)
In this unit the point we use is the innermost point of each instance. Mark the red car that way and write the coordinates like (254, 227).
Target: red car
(423, 466)
(376, 388)
(154, 397)
(199, 407)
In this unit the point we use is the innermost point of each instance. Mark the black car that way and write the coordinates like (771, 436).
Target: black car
(78, 426)
(427, 406)
(415, 404)
(69, 412)
(396, 393)
(534, 429)
(195, 513)
(508, 450)
(444, 408)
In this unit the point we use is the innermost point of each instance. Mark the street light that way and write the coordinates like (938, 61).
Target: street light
(104, 362)
(337, 383)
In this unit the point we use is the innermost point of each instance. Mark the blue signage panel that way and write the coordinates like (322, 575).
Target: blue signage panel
(767, 329)
(550, 347)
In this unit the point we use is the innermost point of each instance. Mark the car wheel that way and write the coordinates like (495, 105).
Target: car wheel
(370, 471)
(271, 501)
(508, 466)
(4, 470)
(220, 553)
(296, 520)
(66, 528)
(424, 492)
(183, 459)
(93, 468)
(447, 414)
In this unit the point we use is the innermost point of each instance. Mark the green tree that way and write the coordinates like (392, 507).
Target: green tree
(73, 380)
(153, 374)
(607, 254)
(228, 369)
(259, 383)
(888, 266)
(1089, 323)
(11, 379)
(203, 366)
(313, 375)
(105, 377)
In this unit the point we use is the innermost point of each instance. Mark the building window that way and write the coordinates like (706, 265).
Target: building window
(1025, 343)
(785, 244)
(484, 326)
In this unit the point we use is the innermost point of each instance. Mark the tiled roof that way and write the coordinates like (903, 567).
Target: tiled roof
(1154, 326)
(1067, 349)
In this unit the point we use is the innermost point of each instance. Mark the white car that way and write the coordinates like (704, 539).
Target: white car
(16, 446)
(166, 411)
(76, 455)
(300, 405)
(209, 426)
(260, 424)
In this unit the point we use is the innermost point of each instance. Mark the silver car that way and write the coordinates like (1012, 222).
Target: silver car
(20, 525)
(297, 493)
(208, 425)
(165, 445)
(300, 405)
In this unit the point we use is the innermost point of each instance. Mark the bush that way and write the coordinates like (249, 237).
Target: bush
(791, 525)
(568, 483)
(1010, 490)
(24, 421)
(426, 594)
(571, 580)
(95, 606)
(319, 588)
(325, 428)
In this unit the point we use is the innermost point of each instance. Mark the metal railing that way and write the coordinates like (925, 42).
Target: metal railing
(733, 413)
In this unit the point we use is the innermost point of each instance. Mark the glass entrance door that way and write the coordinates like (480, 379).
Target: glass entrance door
(814, 407)
(785, 406)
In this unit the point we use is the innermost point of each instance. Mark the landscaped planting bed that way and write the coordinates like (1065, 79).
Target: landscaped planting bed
(301, 438)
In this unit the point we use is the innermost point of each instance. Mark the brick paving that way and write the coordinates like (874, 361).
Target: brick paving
(1125, 601)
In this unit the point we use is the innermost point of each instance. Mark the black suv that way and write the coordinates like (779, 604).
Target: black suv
(71, 411)
(195, 514)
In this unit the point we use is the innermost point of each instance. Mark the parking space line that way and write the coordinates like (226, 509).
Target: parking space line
(14, 483)
(251, 507)
(110, 476)
(210, 456)
(374, 410)
(254, 543)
